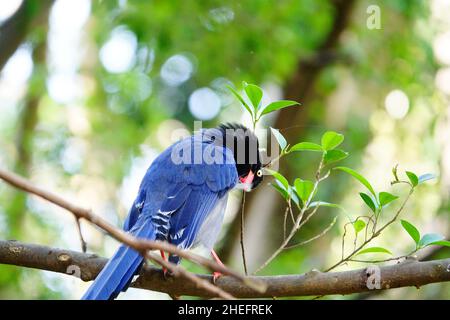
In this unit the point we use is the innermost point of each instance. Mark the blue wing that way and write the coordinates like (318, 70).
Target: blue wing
(179, 197)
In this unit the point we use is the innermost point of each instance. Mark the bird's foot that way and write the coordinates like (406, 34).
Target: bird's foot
(216, 275)
(167, 274)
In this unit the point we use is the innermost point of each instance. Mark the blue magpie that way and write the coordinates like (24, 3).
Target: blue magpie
(182, 199)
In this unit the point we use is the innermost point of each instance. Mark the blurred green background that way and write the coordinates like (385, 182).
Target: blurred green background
(91, 92)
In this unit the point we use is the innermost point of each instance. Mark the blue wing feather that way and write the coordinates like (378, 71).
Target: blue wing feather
(135, 210)
(190, 217)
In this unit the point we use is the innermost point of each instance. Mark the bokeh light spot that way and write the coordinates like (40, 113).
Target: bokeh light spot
(442, 80)
(19, 67)
(118, 54)
(204, 104)
(222, 15)
(397, 104)
(64, 87)
(176, 70)
(70, 14)
(441, 48)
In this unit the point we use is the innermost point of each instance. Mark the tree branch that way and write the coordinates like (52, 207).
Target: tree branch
(314, 283)
(140, 245)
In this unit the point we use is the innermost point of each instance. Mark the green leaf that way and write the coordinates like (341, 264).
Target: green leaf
(374, 250)
(279, 177)
(412, 178)
(281, 185)
(282, 191)
(385, 198)
(359, 225)
(325, 204)
(286, 193)
(254, 94)
(359, 177)
(368, 200)
(330, 205)
(430, 238)
(303, 188)
(412, 230)
(445, 243)
(278, 105)
(331, 140)
(241, 100)
(306, 146)
(281, 140)
(294, 196)
(334, 155)
(426, 177)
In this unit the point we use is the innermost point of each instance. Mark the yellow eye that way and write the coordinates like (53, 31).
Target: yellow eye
(259, 173)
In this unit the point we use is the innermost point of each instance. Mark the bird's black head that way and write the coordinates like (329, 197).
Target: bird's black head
(245, 146)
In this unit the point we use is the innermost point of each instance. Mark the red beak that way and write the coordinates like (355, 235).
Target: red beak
(248, 179)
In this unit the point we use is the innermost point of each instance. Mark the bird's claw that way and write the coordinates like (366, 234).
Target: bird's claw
(216, 275)
(167, 274)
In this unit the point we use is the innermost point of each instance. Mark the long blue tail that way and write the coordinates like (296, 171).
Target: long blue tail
(120, 269)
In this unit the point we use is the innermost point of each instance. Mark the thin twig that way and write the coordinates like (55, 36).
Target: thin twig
(291, 212)
(370, 219)
(281, 155)
(313, 238)
(355, 241)
(343, 240)
(244, 261)
(309, 216)
(80, 234)
(285, 221)
(386, 260)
